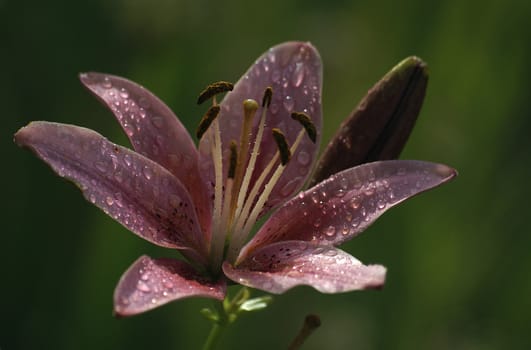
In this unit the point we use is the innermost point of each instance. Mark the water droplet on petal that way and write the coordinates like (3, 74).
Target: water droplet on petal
(289, 187)
(345, 230)
(118, 199)
(303, 158)
(141, 286)
(273, 108)
(330, 252)
(109, 200)
(106, 83)
(298, 75)
(101, 166)
(275, 76)
(148, 173)
(271, 55)
(144, 103)
(127, 160)
(330, 231)
(289, 103)
(158, 122)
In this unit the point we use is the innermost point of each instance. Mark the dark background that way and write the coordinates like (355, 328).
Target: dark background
(458, 257)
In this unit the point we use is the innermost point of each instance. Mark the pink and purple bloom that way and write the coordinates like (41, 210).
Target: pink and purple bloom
(257, 148)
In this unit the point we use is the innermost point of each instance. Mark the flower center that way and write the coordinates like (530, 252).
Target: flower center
(238, 202)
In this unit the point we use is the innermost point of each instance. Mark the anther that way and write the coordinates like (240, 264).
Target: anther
(233, 159)
(214, 89)
(268, 95)
(282, 144)
(207, 119)
(306, 123)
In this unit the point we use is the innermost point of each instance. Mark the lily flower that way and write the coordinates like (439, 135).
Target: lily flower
(257, 149)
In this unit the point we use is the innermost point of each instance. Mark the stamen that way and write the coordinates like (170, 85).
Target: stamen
(282, 144)
(214, 89)
(223, 225)
(206, 120)
(246, 221)
(306, 123)
(217, 242)
(233, 159)
(268, 95)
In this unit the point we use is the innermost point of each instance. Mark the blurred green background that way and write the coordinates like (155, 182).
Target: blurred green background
(459, 257)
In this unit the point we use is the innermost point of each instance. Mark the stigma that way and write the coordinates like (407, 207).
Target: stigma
(241, 194)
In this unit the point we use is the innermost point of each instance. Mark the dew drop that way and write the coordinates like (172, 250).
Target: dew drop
(289, 103)
(148, 173)
(289, 187)
(118, 199)
(106, 83)
(129, 130)
(127, 160)
(317, 222)
(354, 204)
(175, 200)
(92, 198)
(345, 230)
(318, 250)
(330, 231)
(101, 166)
(168, 284)
(109, 200)
(381, 204)
(271, 55)
(144, 103)
(273, 108)
(158, 122)
(369, 192)
(124, 93)
(298, 75)
(276, 75)
(330, 252)
(141, 286)
(315, 197)
(303, 158)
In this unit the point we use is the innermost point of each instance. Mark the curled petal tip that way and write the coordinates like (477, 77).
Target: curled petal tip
(445, 171)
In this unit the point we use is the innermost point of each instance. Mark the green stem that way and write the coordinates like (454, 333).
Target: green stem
(217, 327)
(213, 336)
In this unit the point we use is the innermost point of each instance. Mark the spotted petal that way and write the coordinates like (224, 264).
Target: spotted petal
(294, 72)
(154, 131)
(342, 206)
(150, 283)
(281, 266)
(137, 192)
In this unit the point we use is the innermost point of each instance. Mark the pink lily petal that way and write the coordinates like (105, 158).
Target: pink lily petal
(294, 72)
(135, 191)
(342, 206)
(154, 131)
(284, 265)
(150, 283)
